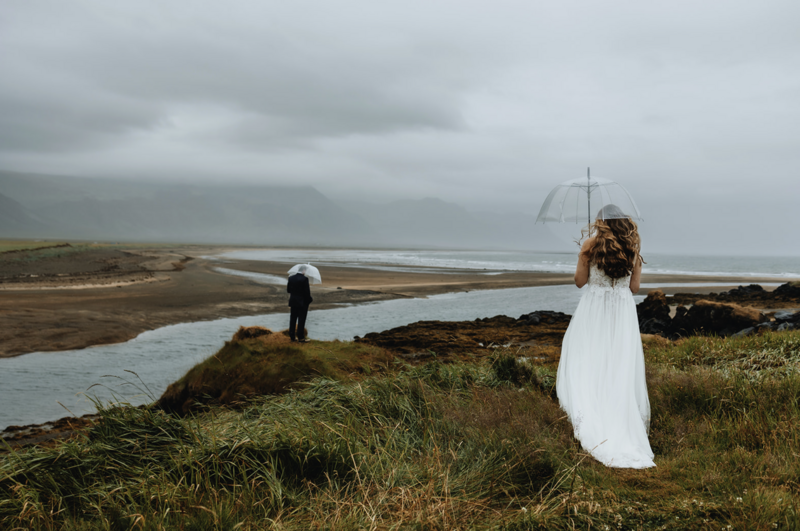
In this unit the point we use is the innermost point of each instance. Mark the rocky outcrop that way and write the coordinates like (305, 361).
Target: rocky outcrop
(790, 290)
(653, 313)
(784, 296)
(537, 333)
(744, 292)
(545, 317)
(714, 318)
(729, 313)
(783, 320)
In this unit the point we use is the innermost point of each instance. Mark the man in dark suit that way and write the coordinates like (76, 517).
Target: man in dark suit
(299, 299)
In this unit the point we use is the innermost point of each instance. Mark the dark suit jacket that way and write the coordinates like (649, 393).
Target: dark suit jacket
(299, 291)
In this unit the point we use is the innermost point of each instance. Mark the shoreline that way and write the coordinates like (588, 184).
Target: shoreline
(180, 284)
(211, 295)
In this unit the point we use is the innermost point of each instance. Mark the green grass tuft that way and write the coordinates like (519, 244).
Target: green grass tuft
(267, 365)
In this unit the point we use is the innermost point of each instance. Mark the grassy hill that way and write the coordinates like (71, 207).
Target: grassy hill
(352, 442)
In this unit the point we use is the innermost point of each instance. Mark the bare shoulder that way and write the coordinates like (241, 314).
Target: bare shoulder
(587, 244)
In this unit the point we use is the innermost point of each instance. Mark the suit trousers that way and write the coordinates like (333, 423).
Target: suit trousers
(298, 318)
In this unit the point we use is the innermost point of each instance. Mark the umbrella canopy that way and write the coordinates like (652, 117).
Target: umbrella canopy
(581, 200)
(309, 271)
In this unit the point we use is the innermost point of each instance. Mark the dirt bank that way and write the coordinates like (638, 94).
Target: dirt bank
(45, 434)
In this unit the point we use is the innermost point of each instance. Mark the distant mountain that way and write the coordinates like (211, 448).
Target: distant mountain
(64, 207)
(35, 190)
(106, 209)
(16, 220)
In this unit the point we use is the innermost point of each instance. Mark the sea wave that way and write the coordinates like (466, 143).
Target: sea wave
(502, 261)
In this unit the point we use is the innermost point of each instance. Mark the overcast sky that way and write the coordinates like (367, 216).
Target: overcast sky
(693, 106)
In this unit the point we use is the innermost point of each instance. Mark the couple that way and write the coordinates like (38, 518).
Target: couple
(601, 380)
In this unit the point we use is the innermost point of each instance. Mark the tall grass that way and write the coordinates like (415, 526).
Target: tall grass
(478, 445)
(267, 364)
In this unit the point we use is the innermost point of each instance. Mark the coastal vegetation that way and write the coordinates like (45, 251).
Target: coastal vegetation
(257, 362)
(26, 245)
(471, 444)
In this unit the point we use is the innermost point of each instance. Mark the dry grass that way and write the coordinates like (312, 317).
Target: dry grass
(478, 445)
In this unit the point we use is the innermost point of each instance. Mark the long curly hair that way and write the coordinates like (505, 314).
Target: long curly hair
(616, 245)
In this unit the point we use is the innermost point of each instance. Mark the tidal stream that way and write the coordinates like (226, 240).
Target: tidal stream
(44, 386)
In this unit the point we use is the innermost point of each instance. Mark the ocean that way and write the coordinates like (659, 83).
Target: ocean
(779, 267)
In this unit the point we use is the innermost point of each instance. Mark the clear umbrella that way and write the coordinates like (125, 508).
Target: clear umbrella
(580, 200)
(309, 271)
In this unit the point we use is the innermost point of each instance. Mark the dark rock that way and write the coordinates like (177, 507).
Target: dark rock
(785, 320)
(653, 313)
(654, 306)
(545, 316)
(790, 290)
(714, 318)
(784, 315)
(746, 332)
(786, 295)
(745, 291)
(531, 319)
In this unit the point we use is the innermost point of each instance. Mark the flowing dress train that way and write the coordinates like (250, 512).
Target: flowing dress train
(601, 381)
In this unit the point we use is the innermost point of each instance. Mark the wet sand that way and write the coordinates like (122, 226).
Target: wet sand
(76, 304)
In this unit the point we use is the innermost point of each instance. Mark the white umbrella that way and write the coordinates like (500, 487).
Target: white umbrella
(580, 199)
(309, 271)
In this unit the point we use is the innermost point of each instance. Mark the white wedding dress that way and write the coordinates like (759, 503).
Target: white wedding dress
(601, 383)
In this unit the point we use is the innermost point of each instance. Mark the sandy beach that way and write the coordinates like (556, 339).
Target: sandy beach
(105, 295)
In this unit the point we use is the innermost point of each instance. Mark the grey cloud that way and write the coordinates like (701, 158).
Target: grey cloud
(281, 85)
(486, 104)
(65, 121)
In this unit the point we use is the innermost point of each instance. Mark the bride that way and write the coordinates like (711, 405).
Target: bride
(601, 382)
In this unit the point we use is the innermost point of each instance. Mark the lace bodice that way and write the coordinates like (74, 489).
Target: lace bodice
(599, 281)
